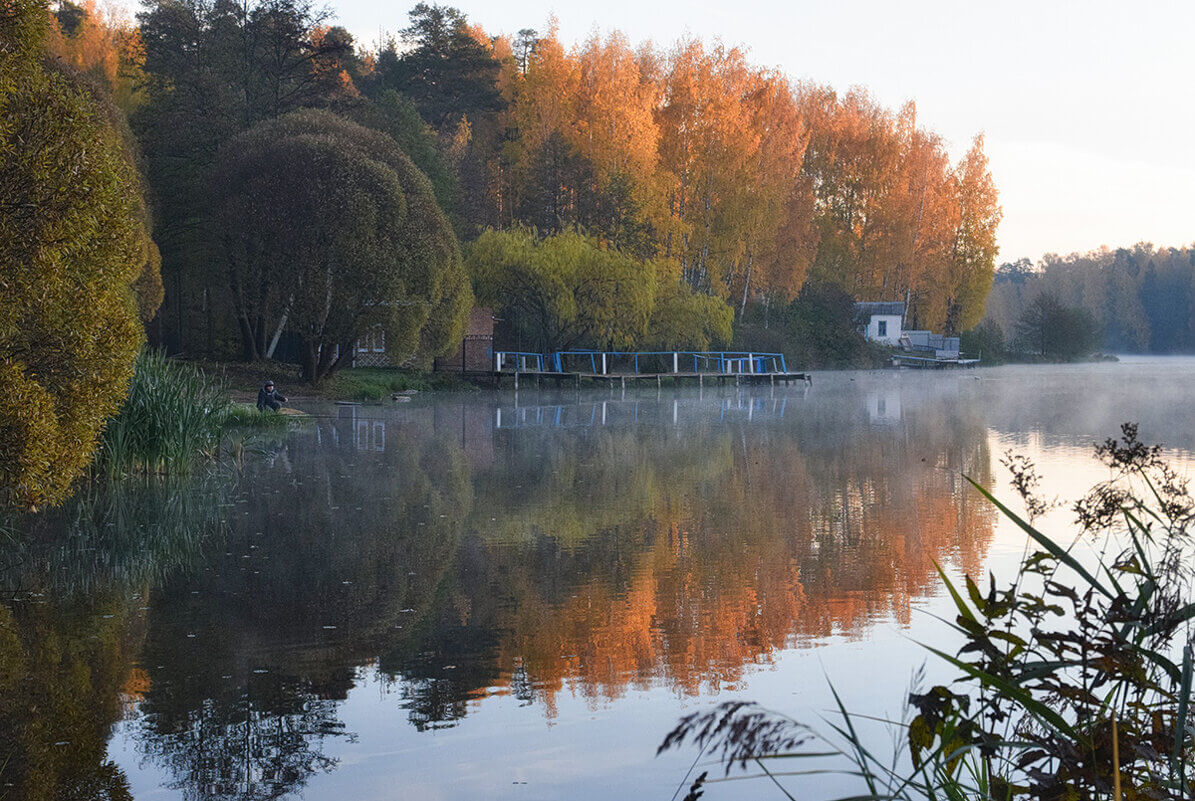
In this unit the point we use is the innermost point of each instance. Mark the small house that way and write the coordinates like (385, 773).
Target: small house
(881, 322)
(474, 354)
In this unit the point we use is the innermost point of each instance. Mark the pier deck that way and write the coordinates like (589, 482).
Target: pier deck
(536, 377)
(621, 367)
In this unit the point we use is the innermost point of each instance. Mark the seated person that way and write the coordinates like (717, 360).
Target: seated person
(269, 398)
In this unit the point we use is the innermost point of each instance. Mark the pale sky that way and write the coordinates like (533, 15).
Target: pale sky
(1087, 106)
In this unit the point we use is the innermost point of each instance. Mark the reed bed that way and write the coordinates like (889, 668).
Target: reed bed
(174, 415)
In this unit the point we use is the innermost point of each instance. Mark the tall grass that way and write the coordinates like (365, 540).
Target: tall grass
(1074, 681)
(174, 415)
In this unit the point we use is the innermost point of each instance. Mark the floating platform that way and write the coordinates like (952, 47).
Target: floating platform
(931, 363)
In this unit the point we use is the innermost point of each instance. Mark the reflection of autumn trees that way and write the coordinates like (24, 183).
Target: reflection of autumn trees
(74, 583)
(62, 665)
(459, 560)
(685, 555)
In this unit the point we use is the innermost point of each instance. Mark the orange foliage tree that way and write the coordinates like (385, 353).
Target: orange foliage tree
(749, 183)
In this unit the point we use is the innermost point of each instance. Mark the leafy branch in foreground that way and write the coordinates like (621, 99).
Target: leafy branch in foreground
(1075, 679)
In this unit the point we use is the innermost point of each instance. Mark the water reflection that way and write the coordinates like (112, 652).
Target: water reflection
(485, 546)
(74, 585)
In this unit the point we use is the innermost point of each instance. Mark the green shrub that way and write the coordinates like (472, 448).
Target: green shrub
(985, 341)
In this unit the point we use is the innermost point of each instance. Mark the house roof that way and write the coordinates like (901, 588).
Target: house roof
(895, 308)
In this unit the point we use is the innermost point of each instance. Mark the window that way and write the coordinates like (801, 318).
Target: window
(882, 328)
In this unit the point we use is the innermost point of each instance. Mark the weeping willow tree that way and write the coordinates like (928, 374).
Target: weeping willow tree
(79, 268)
(329, 230)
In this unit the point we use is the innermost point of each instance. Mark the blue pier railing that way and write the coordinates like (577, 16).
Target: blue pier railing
(599, 362)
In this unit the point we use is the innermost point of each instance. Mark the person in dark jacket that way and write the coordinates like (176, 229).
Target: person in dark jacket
(269, 398)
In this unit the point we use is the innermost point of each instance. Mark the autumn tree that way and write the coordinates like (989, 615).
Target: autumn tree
(329, 230)
(973, 252)
(103, 42)
(73, 242)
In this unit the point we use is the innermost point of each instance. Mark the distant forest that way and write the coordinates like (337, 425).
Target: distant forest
(1141, 299)
(730, 186)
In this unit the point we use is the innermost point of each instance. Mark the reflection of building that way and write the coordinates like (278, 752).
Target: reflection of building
(369, 434)
(881, 322)
(884, 407)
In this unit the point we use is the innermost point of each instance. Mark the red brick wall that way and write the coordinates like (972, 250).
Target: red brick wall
(475, 353)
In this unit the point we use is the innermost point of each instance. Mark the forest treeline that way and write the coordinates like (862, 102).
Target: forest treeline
(1136, 300)
(711, 172)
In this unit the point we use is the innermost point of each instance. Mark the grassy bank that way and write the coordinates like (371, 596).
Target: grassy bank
(243, 379)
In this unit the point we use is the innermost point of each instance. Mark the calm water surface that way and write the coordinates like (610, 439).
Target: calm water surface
(515, 596)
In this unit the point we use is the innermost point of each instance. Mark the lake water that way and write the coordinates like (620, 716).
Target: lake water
(516, 596)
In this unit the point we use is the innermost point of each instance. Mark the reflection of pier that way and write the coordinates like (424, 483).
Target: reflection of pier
(597, 366)
(636, 411)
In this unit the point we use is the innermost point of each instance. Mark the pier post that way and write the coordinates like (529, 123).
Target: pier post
(675, 362)
(603, 364)
(516, 380)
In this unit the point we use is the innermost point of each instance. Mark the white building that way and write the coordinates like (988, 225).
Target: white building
(881, 322)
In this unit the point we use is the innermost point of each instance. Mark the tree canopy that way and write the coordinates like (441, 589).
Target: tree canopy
(447, 69)
(329, 230)
(74, 243)
(1051, 330)
(567, 291)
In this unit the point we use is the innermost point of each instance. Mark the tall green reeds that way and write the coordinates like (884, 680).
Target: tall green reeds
(1074, 681)
(174, 415)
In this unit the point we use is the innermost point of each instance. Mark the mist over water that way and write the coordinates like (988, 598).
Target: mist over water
(510, 595)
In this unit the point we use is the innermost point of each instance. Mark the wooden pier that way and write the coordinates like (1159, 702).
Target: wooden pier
(517, 378)
(621, 368)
